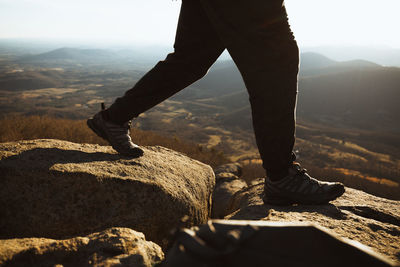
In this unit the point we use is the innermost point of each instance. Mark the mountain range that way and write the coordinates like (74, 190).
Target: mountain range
(385, 56)
(356, 93)
(90, 56)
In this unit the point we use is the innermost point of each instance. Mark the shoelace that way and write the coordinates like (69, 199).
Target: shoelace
(301, 173)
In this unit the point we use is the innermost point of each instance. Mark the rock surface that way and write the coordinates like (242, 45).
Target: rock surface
(112, 247)
(227, 184)
(57, 189)
(370, 220)
(231, 168)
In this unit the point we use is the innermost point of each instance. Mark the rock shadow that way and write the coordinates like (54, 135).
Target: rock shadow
(328, 210)
(373, 213)
(257, 212)
(47, 157)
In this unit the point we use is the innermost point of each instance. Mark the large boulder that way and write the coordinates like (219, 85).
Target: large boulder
(111, 247)
(58, 189)
(370, 220)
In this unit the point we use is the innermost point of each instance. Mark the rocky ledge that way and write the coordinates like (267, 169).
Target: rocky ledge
(58, 189)
(358, 216)
(72, 204)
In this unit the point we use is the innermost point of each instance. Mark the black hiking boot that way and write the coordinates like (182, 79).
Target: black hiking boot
(300, 188)
(117, 135)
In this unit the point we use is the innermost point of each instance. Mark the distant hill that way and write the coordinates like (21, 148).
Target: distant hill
(30, 80)
(239, 118)
(224, 77)
(142, 57)
(312, 60)
(353, 93)
(317, 64)
(385, 56)
(366, 98)
(73, 55)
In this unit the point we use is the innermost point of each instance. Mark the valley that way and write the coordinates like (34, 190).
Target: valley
(348, 112)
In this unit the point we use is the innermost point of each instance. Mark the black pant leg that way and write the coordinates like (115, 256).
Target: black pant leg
(197, 46)
(259, 39)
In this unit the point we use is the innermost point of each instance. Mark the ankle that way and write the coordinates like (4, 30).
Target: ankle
(277, 175)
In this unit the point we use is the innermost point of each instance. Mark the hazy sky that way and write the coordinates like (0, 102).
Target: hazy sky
(315, 22)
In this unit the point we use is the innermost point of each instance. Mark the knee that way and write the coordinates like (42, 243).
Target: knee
(188, 64)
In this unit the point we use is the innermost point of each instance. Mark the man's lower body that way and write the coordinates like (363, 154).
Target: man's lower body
(258, 37)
